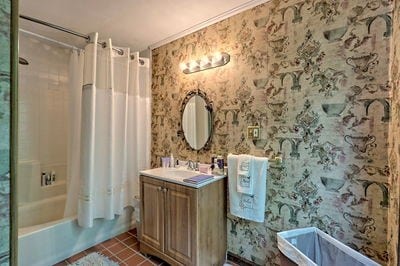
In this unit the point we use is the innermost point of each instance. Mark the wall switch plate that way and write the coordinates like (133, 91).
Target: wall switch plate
(253, 132)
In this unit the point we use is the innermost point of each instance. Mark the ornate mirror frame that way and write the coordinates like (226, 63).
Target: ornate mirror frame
(209, 107)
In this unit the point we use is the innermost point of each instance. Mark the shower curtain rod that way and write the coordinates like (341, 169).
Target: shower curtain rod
(141, 61)
(120, 51)
(50, 40)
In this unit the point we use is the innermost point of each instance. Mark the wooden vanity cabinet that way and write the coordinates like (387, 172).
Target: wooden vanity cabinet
(183, 225)
(152, 216)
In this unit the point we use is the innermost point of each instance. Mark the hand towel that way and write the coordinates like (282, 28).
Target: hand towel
(249, 207)
(198, 179)
(245, 182)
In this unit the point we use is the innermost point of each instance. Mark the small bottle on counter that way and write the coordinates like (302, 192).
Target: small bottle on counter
(171, 161)
(212, 166)
(218, 165)
(220, 162)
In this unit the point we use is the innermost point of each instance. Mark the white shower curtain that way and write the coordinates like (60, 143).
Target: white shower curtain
(115, 132)
(139, 119)
(74, 131)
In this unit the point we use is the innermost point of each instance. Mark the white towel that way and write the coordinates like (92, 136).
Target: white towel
(244, 182)
(249, 207)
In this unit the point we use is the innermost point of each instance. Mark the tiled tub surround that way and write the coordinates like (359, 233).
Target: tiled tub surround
(5, 9)
(43, 129)
(314, 75)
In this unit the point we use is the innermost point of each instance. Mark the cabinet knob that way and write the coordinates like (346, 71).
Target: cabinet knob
(165, 189)
(159, 188)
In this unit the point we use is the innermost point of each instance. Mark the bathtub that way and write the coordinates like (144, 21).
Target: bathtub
(41, 211)
(48, 243)
(45, 237)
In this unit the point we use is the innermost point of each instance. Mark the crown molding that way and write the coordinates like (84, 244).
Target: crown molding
(208, 22)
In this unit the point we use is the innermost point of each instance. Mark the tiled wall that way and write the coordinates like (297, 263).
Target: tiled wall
(315, 76)
(43, 117)
(5, 9)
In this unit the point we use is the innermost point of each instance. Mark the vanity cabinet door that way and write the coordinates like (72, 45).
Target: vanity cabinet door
(180, 223)
(152, 212)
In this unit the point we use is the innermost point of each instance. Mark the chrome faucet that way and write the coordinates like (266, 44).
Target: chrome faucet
(193, 165)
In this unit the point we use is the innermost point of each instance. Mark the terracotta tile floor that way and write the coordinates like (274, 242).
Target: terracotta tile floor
(123, 249)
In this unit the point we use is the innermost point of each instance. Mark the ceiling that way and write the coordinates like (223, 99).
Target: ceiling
(132, 23)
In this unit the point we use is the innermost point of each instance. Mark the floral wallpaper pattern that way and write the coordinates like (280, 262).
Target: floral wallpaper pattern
(394, 143)
(4, 131)
(314, 75)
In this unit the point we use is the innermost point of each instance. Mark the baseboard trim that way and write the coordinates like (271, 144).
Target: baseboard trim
(239, 260)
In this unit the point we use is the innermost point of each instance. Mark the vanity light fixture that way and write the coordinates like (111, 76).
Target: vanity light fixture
(209, 61)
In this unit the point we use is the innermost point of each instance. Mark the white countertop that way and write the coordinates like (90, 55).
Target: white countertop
(176, 175)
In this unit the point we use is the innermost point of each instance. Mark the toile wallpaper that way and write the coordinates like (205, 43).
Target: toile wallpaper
(315, 76)
(5, 9)
(394, 142)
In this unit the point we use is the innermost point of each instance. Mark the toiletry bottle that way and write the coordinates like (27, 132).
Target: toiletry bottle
(221, 164)
(172, 161)
(212, 163)
(216, 170)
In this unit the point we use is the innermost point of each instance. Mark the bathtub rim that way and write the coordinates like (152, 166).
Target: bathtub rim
(28, 230)
(28, 206)
(102, 230)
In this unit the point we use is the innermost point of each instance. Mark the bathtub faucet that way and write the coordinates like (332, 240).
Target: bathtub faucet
(48, 178)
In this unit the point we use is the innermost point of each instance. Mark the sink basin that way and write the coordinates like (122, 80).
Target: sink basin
(180, 173)
(177, 175)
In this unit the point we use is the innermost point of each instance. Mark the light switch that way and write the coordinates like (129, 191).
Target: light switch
(253, 132)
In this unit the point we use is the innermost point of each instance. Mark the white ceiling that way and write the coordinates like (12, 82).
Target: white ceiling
(133, 23)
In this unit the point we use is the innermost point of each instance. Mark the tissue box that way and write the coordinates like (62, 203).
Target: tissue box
(204, 168)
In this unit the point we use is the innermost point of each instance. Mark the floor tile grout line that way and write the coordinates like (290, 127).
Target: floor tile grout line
(130, 247)
(133, 235)
(129, 257)
(145, 261)
(122, 241)
(124, 238)
(126, 246)
(114, 254)
(134, 253)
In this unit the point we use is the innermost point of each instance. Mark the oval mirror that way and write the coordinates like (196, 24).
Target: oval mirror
(197, 120)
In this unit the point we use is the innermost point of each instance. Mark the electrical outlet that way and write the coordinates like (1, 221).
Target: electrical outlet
(253, 132)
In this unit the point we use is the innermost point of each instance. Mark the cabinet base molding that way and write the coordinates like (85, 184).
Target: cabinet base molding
(148, 250)
(183, 225)
(239, 260)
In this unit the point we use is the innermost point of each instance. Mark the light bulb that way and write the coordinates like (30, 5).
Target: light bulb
(183, 66)
(217, 57)
(204, 61)
(193, 65)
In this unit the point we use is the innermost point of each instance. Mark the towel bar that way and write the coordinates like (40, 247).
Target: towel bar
(277, 160)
